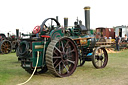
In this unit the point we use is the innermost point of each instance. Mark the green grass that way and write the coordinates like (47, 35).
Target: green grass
(116, 73)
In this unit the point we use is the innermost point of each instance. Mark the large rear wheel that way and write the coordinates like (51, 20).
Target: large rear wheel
(62, 57)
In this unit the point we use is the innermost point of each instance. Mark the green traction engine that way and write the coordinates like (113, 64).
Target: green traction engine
(60, 49)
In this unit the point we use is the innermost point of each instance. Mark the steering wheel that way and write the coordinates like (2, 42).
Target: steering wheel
(45, 27)
(36, 29)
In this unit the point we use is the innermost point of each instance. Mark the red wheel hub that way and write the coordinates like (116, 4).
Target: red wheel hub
(36, 29)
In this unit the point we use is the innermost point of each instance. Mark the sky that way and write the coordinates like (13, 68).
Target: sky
(26, 14)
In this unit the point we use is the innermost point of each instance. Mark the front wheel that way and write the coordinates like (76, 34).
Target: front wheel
(100, 57)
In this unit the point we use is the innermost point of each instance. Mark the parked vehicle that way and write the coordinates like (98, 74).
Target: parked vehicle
(60, 50)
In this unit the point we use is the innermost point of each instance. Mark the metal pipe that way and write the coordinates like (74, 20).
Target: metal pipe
(87, 17)
(17, 33)
(65, 23)
(8, 34)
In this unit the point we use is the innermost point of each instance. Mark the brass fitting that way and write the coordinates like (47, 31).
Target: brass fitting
(87, 8)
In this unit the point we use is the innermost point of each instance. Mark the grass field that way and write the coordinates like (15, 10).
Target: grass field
(116, 73)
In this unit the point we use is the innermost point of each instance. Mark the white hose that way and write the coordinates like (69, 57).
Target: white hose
(33, 71)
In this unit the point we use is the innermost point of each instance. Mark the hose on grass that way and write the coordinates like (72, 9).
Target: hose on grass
(33, 71)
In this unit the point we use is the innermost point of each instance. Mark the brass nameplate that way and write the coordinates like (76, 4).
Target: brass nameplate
(39, 46)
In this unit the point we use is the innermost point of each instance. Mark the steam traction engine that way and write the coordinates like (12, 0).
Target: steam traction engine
(5, 44)
(61, 50)
(10, 43)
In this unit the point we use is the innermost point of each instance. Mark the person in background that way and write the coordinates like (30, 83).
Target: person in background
(117, 40)
(105, 37)
(125, 38)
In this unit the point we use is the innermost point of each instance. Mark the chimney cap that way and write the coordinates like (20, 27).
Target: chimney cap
(87, 8)
(65, 18)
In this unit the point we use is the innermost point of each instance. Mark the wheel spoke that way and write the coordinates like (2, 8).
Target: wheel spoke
(62, 67)
(102, 52)
(3, 44)
(6, 51)
(68, 65)
(59, 69)
(58, 64)
(66, 43)
(62, 46)
(55, 53)
(66, 51)
(55, 61)
(73, 62)
(70, 56)
(8, 48)
(57, 57)
(65, 67)
(102, 63)
(70, 51)
(97, 61)
(96, 54)
(57, 49)
(98, 51)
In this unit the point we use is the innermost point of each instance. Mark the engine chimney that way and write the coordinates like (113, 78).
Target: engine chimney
(65, 23)
(87, 17)
(17, 33)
